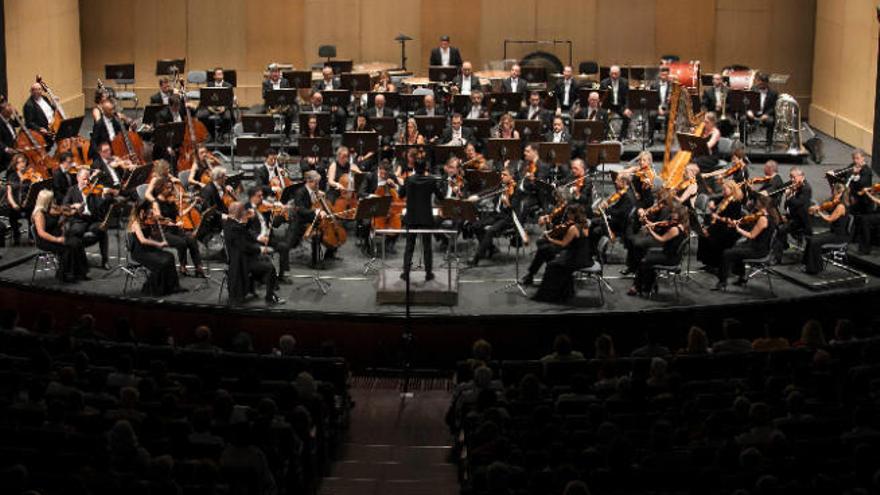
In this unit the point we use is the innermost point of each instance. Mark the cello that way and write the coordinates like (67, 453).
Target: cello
(393, 219)
(347, 200)
(196, 133)
(328, 227)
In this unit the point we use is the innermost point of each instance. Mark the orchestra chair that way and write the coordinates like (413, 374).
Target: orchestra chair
(224, 282)
(596, 271)
(197, 77)
(47, 260)
(183, 177)
(327, 51)
(676, 272)
(836, 253)
(132, 269)
(126, 94)
(142, 191)
(762, 265)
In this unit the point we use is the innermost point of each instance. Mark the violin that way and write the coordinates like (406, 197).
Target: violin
(93, 190)
(275, 209)
(738, 164)
(476, 163)
(752, 218)
(456, 182)
(615, 197)
(759, 180)
(646, 176)
(874, 189)
(62, 210)
(558, 232)
(716, 215)
(683, 185)
(827, 206)
(663, 224)
(32, 175)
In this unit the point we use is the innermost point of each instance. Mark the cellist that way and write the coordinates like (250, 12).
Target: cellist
(39, 113)
(340, 176)
(381, 182)
(307, 201)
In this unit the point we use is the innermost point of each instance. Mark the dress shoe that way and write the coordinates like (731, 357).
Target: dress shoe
(528, 280)
(284, 279)
(626, 271)
(429, 276)
(404, 276)
(105, 266)
(274, 300)
(183, 272)
(200, 273)
(720, 286)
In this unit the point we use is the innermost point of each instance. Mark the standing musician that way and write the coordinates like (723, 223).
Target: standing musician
(445, 55)
(657, 118)
(19, 180)
(616, 209)
(718, 235)
(248, 259)
(262, 226)
(575, 252)
(205, 113)
(418, 189)
(715, 97)
(505, 128)
(39, 113)
(166, 90)
(8, 133)
(455, 134)
(834, 213)
(475, 108)
(766, 114)
(90, 201)
(105, 129)
(64, 177)
(514, 83)
(466, 82)
(763, 220)
(48, 221)
(565, 91)
(675, 232)
(617, 97)
(307, 201)
(866, 222)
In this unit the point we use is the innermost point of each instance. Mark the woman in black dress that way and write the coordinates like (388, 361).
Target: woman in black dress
(50, 237)
(557, 286)
(675, 231)
(764, 219)
(834, 213)
(19, 178)
(168, 199)
(148, 252)
(717, 235)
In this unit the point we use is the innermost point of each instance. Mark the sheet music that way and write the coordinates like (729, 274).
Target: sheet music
(519, 228)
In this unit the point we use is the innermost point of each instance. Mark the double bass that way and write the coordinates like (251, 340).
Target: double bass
(196, 133)
(128, 144)
(33, 146)
(58, 116)
(77, 146)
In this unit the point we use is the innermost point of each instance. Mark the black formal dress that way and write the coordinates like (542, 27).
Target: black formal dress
(669, 255)
(162, 279)
(557, 286)
(178, 238)
(418, 190)
(246, 263)
(836, 234)
(732, 258)
(719, 236)
(71, 254)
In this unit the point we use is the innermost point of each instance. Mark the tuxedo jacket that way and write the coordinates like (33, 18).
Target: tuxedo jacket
(708, 100)
(419, 191)
(454, 57)
(521, 86)
(466, 133)
(475, 82)
(34, 118)
(622, 91)
(559, 92)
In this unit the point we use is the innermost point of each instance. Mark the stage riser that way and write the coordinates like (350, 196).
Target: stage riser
(442, 291)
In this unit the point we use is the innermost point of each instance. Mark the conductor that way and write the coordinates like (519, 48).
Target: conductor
(418, 191)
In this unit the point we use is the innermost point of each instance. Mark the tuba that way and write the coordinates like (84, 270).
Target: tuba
(788, 123)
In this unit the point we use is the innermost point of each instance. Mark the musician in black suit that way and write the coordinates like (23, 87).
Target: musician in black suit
(212, 200)
(766, 114)
(247, 259)
(514, 83)
(595, 113)
(715, 95)
(328, 81)
(618, 94)
(466, 82)
(475, 108)
(264, 175)
(430, 108)
(305, 200)
(165, 92)
(62, 179)
(379, 109)
(92, 210)
(105, 129)
(445, 55)
(207, 114)
(771, 182)
(798, 200)
(39, 113)
(557, 133)
(535, 111)
(657, 116)
(456, 134)
(262, 227)
(337, 114)
(7, 134)
(418, 190)
(499, 219)
(566, 90)
(174, 112)
(617, 207)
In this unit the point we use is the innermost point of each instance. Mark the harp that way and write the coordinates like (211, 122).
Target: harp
(681, 118)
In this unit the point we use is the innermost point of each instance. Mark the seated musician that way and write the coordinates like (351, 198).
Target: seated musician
(715, 97)
(557, 133)
(207, 114)
(717, 233)
(618, 91)
(63, 177)
(367, 161)
(200, 170)
(174, 112)
(593, 111)
(337, 114)
(614, 211)
(262, 227)
(657, 118)
(514, 83)
(709, 163)
(674, 233)
(413, 157)
(147, 243)
(505, 128)
(270, 177)
(643, 179)
(378, 183)
(566, 91)
(91, 214)
(453, 180)
(686, 190)
(456, 134)
(575, 253)
(475, 108)
(8, 134)
(248, 259)
(411, 134)
(445, 55)
(170, 202)
(554, 173)
(770, 181)
(474, 160)
(309, 209)
(213, 206)
(834, 213)
(466, 82)
(766, 114)
(39, 113)
(328, 81)
(762, 222)
(528, 173)
(384, 83)
(71, 254)
(19, 180)
(113, 170)
(165, 92)
(640, 239)
(535, 111)
(379, 109)
(866, 222)
(430, 108)
(274, 81)
(340, 175)
(797, 203)
(105, 128)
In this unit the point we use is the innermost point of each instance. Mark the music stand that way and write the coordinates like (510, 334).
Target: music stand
(168, 136)
(529, 130)
(319, 147)
(442, 73)
(252, 147)
(340, 66)
(281, 97)
(164, 67)
(411, 103)
(591, 131)
(458, 209)
(500, 149)
(138, 177)
(392, 100)
(31, 199)
(323, 121)
(119, 71)
(697, 145)
(598, 154)
(385, 126)
(367, 210)
(534, 75)
(361, 142)
(355, 81)
(482, 127)
(479, 181)
(443, 152)
(504, 102)
(69, 128)
(554, 152)
(651, 99)
(150, 112)
(298, 79)
(337, 97)
(742, 100)
(430, 127)
(216, 97)
(258, 124)
(460, 103)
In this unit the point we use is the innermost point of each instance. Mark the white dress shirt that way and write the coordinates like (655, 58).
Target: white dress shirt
(111, 131)
(514, 83)
(444, 56)
(566, 90)
(465, 85)
(614, 84)
(47, 109)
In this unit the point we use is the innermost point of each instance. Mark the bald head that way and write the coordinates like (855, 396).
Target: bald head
(236, 210)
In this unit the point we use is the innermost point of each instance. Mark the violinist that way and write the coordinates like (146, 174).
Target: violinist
(641, 238)
(171, 202)
(505, 128)
(614, 211)
(261, 226)
(798, 198)
(340, 175)
(270, 177)
(528, 173)
(455, 134)
(39, 113)
(90, 201)
(575, 253)
(866, 222)
(770, 181)
(643, 178)
(248, 259)
(8, 133)
(112, 170)
(48, 222)
(308, 206)
(834, 213)
(147, 242)
(718, 235)
(105, 128)
(686, 190)
(18, 184)
(63, 177)
(474, 160)
(498, 220)
(200, 171)
(216, 195)
(757, 228)
(669, 236)
(453, 180)
(858, 178)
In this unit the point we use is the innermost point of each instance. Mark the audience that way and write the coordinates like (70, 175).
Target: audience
(562, 351)
(733, 340)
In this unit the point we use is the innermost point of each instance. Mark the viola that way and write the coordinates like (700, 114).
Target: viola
(93, 190)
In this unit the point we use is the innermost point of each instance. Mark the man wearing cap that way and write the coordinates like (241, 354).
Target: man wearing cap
(445, 55)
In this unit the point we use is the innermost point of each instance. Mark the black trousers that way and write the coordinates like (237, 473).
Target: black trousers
(295, 237)
(769, 126)
(636, 247)
(261, 269)
(732, 260)
(493, 226)
(15, 218)
(184, 242)
(813, 250)
(544, 254)
(79, 228)
(865, 224)
(645, 274)
(282, 247)
(427, 252)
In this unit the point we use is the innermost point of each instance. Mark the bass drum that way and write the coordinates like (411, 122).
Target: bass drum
(543, 59)
(686, 73)
(741, 79)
